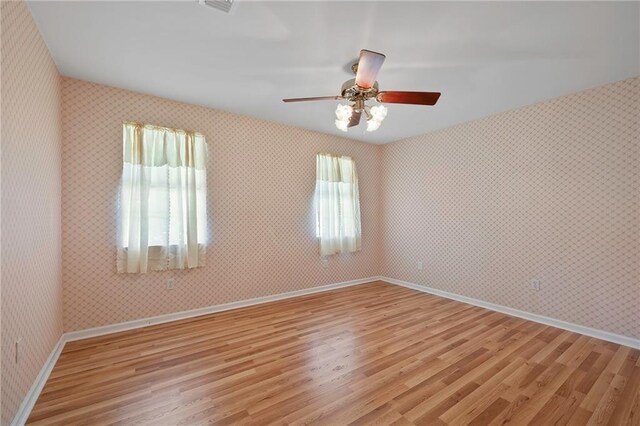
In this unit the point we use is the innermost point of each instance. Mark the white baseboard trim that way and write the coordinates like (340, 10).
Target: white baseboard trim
(34, 392)
(160, 319)
(587, 331)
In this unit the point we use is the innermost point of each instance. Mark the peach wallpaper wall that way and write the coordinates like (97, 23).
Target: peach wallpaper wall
(31, 178)
(261, 178)
(547, 192)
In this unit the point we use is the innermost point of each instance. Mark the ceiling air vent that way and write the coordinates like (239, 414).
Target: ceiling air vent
(223, 5)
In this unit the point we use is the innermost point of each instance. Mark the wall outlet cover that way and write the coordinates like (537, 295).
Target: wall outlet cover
(171, 283)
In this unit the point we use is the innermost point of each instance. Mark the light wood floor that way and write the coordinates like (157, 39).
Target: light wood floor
(370, 354)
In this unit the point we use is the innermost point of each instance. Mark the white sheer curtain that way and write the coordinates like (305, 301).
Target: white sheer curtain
(163, 217)
(337, 205)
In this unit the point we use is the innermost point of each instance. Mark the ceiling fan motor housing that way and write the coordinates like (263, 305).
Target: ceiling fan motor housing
(351, 91)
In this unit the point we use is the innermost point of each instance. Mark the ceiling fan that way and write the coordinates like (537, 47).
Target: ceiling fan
(365, 87)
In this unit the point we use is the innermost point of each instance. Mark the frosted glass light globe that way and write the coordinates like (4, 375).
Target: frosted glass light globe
(373, 124)
(342, 125)
(343, 112)
(378, 112)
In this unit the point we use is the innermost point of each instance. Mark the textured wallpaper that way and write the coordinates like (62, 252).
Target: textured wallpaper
(261, 179)
(31, 174)
(547, 192)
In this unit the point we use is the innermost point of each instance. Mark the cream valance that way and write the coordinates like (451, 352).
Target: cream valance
(156, 146)
(334, 168)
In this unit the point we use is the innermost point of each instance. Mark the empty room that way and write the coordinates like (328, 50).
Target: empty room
(246, 212)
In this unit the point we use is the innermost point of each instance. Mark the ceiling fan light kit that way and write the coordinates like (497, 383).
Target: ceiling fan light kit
(364, 88)
(375, 115)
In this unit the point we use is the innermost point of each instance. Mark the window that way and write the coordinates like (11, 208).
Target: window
(337, 205)
(163, 216)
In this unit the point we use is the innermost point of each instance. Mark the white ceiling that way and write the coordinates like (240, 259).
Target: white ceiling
(484, 57)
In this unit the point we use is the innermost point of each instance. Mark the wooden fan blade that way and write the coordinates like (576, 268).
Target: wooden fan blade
(368, 67)
(415, 98)
(318, 98)
(355, 119)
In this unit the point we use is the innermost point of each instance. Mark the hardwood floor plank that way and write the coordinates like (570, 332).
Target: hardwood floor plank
(628, 411)
(369, 354)
(490, 412)
(608, 402)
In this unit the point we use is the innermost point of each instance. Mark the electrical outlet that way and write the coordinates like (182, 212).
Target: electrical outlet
(420, 265)
(534, 285)
(18, 350)
(171, 283)
(325, 262)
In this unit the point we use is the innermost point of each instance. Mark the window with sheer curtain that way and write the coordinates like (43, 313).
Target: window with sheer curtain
(163, 203)
(337, 205)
